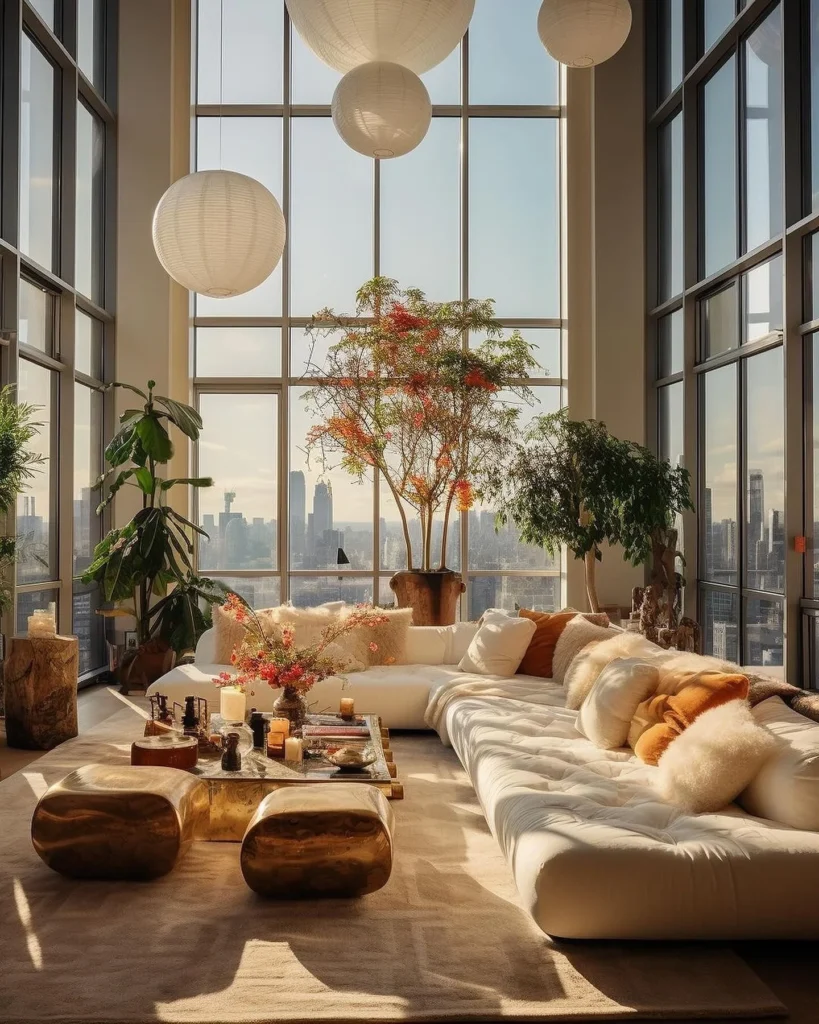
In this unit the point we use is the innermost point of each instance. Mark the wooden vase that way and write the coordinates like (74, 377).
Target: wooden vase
(433, 596)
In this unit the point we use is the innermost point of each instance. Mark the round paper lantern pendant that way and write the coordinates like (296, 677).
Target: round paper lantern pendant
(416, 33)
(381, 109)
(219, 233)
(581, 33)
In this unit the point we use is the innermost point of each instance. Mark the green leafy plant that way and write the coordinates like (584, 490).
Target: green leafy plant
(138, 562)
(571, 483)
(185, 612)
(18, 465)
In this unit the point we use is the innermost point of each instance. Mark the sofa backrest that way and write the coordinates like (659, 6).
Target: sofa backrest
(206, 648)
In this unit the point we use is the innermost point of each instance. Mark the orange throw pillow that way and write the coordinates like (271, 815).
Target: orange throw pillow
(675, 712)
(537, 661)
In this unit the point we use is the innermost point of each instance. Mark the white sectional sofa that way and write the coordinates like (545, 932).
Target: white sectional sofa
(595, 852)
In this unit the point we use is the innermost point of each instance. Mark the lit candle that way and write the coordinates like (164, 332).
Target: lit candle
(347, 707)
(281, 725)
(293, 750)
(232, 704)
(275, 744)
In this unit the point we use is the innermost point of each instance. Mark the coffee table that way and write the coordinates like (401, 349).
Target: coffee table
(235, 796)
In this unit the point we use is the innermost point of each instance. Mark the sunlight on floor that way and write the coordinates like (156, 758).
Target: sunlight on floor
(130, 703)
(24, 913)
(37, 782)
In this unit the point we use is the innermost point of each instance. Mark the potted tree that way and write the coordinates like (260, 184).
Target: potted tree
(138, 564)
(402, 395)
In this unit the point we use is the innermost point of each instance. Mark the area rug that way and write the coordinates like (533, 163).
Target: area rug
(444, 940)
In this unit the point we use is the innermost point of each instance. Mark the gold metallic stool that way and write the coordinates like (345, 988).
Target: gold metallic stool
(114, 822)
(327, 839)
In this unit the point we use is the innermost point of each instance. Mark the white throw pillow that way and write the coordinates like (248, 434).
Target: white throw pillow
(498, 647)
(786, 788)
(606, 713)
(426, 645)
(714, 759)
(599, 647)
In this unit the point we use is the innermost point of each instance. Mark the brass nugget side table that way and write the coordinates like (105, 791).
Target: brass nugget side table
(41, 691)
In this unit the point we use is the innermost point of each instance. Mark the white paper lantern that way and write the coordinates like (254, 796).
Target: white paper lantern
(416, 33)
(381, 109)
(581, 33)
(219, 233)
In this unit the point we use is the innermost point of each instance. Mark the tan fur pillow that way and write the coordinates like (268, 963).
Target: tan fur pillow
(390, 638)
(587, 663)
(577, 634)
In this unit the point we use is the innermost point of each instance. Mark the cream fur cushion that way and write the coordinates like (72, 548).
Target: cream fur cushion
(587, 664)
(678, 668)
(717, 756)
(228, 634)
(390, 639)
(498, 647)
(607, 711)
(578, 633)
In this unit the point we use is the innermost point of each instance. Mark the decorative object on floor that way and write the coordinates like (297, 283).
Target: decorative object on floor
(135, 565)
(381, 110)
(218, 233)
(119, 822)
(416, 33)
(168, 751)
(581, 33)
(325, 840)
(275, 660)
(40, 683)
(403, 396)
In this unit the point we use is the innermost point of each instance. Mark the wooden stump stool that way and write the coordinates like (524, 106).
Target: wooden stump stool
(41, 691)
(322, 839)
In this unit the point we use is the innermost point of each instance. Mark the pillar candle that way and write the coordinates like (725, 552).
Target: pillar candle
(293, 750)
(347, 707)
(232, 704)
(281, 725)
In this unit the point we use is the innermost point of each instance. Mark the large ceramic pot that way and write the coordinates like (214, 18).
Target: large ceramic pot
(150, 661)
(433, 596)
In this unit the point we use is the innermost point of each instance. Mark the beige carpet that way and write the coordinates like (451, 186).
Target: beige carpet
(444, 940)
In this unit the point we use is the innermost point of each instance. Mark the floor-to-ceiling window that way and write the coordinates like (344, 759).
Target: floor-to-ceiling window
(474, 211)
(56, 261)
(730, 87)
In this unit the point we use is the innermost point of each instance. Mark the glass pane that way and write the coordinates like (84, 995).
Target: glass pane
(670, 212)
(762, 301)
(720, 321)
(812, 283)
(258, 591)
(88, 343)
(539, 593)
(331, 220)
(238, 351)
(91, 41)
(239, 51)
(813, 153)
(36, 532)
(545, 344)
(420, 214)
(763, 131)
(309, 591)
(670, 46)
(764, 632)
(238, 447)
(720, 626)
(719, 511)
(89, 628)
(514, 215)
(717, 15)
(507, 62)
(671, 433)
(90, 209)
(331, 514)
(814, 343)
(719, 169)
(37, 158)
(36, 316)
(30, 600)
(765, 458)
(252, 146)
(670, 344)
(88, 446)
(46, 10)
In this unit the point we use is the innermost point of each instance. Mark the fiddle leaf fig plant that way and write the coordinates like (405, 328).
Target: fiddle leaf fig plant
(137, 563)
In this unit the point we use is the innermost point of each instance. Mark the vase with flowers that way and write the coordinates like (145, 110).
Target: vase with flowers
(407, 390)
(272, 658)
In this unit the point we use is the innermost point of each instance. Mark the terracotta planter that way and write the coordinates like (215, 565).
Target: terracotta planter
(433, 596)
(150, 661)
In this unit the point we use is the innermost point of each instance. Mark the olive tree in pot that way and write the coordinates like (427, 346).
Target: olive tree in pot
(403, 396)
(144, 568)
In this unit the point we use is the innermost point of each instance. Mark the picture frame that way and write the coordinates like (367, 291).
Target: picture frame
(131, 640)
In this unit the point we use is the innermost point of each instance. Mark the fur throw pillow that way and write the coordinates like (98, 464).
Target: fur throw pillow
(592, 657)
(228, 634)
(710, 764)
(390, 639)
(578, 633)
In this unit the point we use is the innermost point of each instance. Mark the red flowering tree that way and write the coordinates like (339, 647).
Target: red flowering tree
(402, 393)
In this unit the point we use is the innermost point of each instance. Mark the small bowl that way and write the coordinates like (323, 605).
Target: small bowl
(352, 759)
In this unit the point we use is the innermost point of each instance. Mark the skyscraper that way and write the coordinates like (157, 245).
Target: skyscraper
(322, 509)
(298, 511)
(756, 507)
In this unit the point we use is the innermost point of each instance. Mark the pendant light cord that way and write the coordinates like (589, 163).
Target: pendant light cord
(221, 71)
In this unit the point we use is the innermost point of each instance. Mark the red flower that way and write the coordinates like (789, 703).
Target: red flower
(464, 495)
(476, 379)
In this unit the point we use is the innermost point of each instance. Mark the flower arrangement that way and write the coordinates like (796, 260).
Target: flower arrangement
(277, 661)
(404, 395)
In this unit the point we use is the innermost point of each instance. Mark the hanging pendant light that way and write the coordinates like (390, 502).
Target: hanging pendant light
(219, 233)
(582, 33)
(416, 33)
(381, 109)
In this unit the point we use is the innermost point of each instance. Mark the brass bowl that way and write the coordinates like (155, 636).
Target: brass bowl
(352, 759)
